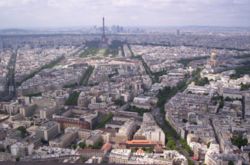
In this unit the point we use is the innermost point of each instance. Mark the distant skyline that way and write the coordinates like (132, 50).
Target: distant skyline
(78, 13)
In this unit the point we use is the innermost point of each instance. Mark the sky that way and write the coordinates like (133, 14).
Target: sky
(78, 13)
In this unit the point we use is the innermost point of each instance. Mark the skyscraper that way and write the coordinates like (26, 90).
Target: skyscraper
(178, 32)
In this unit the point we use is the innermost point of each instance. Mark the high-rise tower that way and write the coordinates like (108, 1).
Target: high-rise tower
(103, 30)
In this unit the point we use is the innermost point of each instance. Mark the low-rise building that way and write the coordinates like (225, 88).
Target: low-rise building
(48, 130)
(150, 130)
(120, 156)
(126, 131)
(63, 141)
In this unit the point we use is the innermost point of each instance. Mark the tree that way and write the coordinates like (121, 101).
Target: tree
(82, 145)
(201, 81)
(74, 146)
(240, 71)
(140, 111)
(73, 98)
(186, 146)
(239, 141)
(184, 120)
(17, 159)
(23, 131)
(190, 162)
(98, 144)
(244, 86)
(105, 119)
(208, 144)
(148, 149)
(44, 142)
(171, 143)
(230, 162)
(228, 99)
(2, 150)
(119, 102)
(83, 159)
(133, 150)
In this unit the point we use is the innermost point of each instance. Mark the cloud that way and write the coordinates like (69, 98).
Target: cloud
(13, 3)
(123, 3)
(35, 13)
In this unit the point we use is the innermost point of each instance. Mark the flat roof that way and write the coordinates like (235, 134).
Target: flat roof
(139, 142)
(45, 162)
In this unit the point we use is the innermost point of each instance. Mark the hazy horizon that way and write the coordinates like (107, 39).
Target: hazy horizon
(138, 26)
(25, 14)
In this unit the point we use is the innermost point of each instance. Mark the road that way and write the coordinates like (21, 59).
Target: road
(10, 87)
(160, 120)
